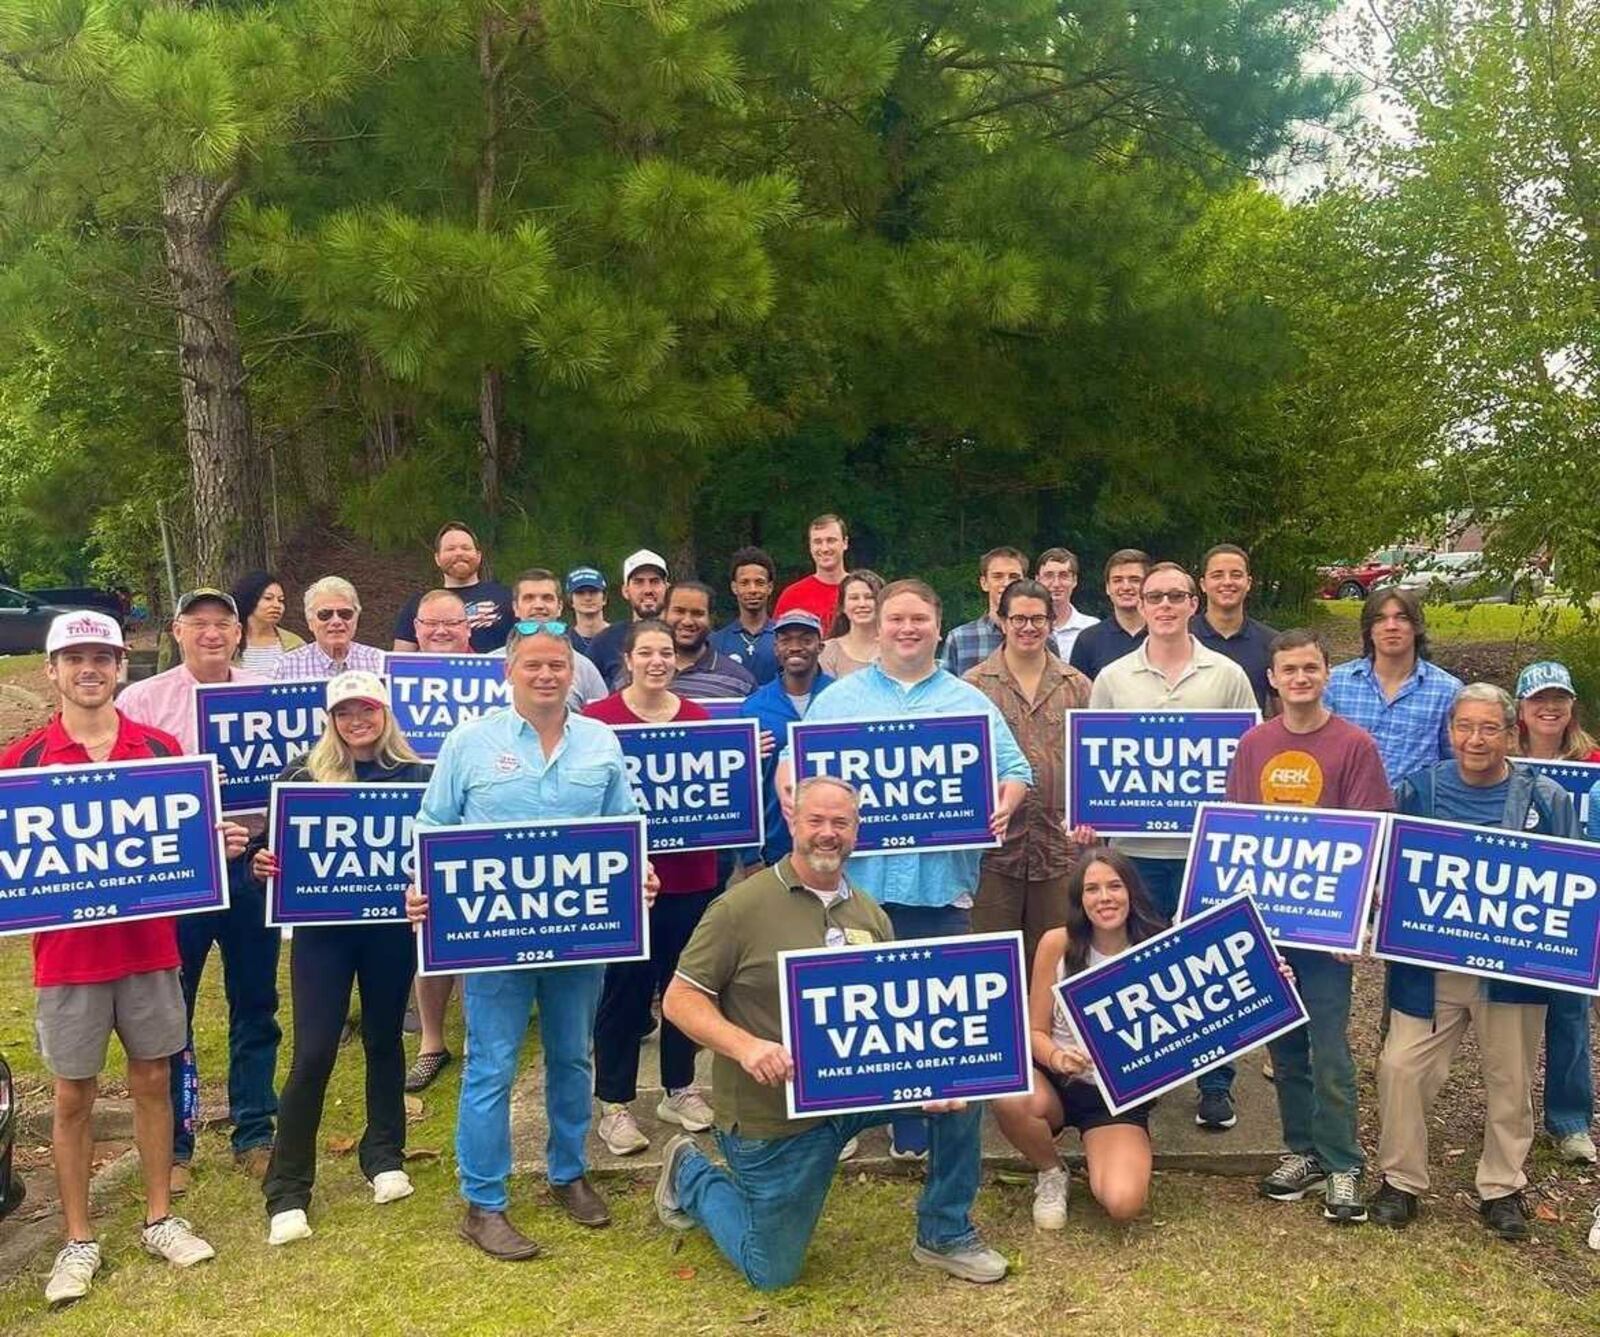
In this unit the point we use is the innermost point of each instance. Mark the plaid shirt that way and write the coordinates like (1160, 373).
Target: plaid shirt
(971, 643)
(310, 661)
(1413, 729)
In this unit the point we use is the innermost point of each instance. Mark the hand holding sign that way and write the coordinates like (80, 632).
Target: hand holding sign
(768, 1062)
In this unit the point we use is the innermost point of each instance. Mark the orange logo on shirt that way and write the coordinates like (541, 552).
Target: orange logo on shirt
(1292, 777)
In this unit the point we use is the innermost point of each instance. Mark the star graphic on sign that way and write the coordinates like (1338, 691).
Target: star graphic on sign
(55, 779)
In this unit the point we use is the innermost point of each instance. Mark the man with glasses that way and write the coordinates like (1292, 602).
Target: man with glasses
(332, 612)
(207, 631)
(441, 624)
(1171, 670)
(1393, 691)
(1123, 632)
(971, 643)
(488, 603)
(1430, 1010)
(1058, 573)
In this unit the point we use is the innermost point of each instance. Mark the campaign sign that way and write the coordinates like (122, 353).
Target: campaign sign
(1578, 778)
(1491, 902)
(344, 852)
(1143, 773)
(115, 840)
(724, 707)
(254, 729)
(508, 896)
(898, 1024)
(1311, 871)
(432, 694)
(923, 783)
(1181, 1003)
(697, 783)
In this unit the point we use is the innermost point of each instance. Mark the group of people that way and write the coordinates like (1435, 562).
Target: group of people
(1388, 730)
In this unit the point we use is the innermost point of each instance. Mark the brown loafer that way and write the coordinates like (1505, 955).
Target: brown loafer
(254, 1162)
(180, 1179)
(583, 1204)
(496, 1236)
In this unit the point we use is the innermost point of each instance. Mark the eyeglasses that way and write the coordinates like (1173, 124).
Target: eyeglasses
(1487, 732)
(1167, 596)
(328, 614)
(531, 627)
(434, 623)
(1022, 621)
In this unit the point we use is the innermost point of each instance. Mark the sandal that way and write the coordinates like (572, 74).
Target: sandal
(419, 1077)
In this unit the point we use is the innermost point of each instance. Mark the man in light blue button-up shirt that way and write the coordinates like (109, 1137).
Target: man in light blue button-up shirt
(532, 760)
(927, 895)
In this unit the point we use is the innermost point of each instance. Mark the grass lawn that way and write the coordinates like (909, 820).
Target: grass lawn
(1475, 622)
(1209, 1258)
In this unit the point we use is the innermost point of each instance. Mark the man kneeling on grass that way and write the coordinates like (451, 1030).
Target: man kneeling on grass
(763, 1208)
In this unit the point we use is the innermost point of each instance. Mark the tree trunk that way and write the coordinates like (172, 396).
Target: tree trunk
(227, 470)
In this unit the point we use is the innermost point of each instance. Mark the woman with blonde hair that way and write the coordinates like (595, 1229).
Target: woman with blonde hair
(854, 643)
(361, 745)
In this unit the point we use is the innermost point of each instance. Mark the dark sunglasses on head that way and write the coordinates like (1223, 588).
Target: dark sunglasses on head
(533, 627)
(328, 614)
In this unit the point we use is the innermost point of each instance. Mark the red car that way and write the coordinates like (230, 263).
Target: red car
(1382, 567)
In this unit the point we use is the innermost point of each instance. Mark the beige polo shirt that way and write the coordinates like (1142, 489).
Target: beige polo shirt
(1210, 682)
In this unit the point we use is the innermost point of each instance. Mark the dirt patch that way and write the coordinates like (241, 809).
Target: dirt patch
(383, 580)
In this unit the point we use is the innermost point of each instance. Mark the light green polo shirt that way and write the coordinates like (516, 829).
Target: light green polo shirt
(733, 956)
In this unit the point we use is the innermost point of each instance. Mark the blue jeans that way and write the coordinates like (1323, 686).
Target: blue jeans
(1163, 881)
(922, 921)
(497, 1005)
(763, 1209)
(1313, 1071)
(249, 951)
(1568, 1080)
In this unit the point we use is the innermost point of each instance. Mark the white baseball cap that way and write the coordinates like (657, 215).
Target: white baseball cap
(83, 628)
(358, 685)
(644, 557)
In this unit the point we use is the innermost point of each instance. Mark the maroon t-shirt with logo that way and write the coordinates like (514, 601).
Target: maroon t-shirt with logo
(1336, 766)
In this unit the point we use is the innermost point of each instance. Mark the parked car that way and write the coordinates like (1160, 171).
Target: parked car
(1462, 575)
(25, 618)
(12, 1189)
(118, 603)
(1358, 579)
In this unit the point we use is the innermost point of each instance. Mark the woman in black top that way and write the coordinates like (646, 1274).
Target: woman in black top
(362, 745)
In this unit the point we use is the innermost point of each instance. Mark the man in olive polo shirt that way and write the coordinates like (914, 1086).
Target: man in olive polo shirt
(761, 1211)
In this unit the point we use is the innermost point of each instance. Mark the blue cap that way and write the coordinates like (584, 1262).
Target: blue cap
(1545, 674)
(584, 578)
(797, 617)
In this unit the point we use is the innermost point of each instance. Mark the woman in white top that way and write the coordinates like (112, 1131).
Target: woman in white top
(854, 643)
(1108, 911)
(260, 601)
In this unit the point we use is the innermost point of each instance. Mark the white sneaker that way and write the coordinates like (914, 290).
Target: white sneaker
(975, 1263)
(73, 1272)
(391, 1186)
(849, 1149)
(1577, 1149)
(174, 1239)
(686, 1108)
(620, 1131)
(1050, 1191)
(287, 1227)
(1594, 1232)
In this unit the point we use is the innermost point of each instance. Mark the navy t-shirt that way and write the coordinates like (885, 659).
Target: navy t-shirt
(488, 610)
(1454, 800)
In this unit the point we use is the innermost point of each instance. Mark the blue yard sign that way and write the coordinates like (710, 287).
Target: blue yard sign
(1578, 778)
(254, 729)
(1181, 1003)
(432, 694)
(898, 1024)
(698, 784)
(1491, 902)
(724, 707)
(1311, 871)
(508, 896)
(110, 842)
(1143, 773)
(925, 782)
(344, 852)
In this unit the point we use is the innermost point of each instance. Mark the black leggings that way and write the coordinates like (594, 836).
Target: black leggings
(324, 962)
(625, 1003)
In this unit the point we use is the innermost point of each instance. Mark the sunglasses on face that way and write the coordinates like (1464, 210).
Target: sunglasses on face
(1167, 596)
(328, 614)
(533, 627)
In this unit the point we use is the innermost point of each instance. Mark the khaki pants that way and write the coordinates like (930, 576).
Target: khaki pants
(1007, 903)
(1415, 1062)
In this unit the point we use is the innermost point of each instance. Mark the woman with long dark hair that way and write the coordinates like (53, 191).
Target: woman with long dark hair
(1108, 912)
(259, 597)
(853, 639)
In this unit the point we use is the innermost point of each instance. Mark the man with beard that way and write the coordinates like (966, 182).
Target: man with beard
(761, 1210)
(644, 586)
(703, 674)
(488, 603)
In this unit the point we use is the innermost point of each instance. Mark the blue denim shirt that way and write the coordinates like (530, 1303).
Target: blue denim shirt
(493, 769)
(934, 877)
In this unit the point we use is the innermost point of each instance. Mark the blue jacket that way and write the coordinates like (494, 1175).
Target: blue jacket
(1410, 988)
(771, 707)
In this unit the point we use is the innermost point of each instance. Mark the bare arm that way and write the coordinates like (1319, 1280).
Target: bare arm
(697, 1015)
(405, 647)
(1042, 1004)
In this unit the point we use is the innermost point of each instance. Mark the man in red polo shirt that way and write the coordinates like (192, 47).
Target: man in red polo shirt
(101, 978)
(818, 594)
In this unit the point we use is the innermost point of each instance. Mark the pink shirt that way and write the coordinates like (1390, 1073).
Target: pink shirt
(166, 701)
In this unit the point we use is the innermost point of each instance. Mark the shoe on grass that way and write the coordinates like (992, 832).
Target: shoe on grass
(1295, 1177)
(174, 1239)
(254, 1162)
(687, 1108)
(1392, 1207)
(1594, 1229)
(976, 1262)
(620, 1131)
(420, 1075)
(1341, 1199)
(848, 1151)
(1050, 1192)
(391, 1186)
(1507, 1217)
(73, 1272)
(1577, 1149)
(668, 1206)
(179, 1179)
(287, 1227)
(1215, 1111)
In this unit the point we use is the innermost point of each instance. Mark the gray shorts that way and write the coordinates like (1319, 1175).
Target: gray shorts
(74, 1022)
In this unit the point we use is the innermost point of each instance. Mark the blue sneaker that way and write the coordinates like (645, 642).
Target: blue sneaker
(908, 1140)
